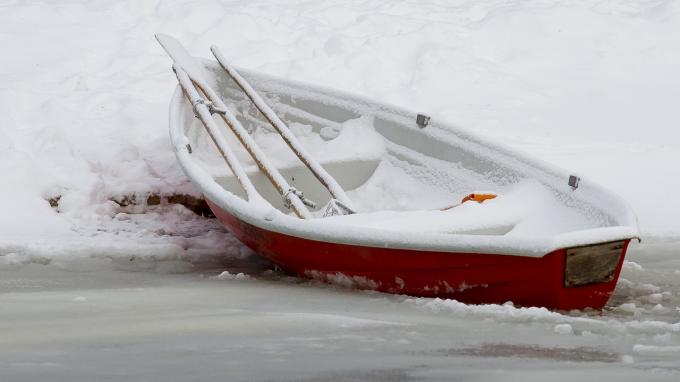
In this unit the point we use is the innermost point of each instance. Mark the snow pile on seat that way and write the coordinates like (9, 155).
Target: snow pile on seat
(527, 209)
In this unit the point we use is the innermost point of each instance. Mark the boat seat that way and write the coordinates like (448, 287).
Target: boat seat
(350, 174)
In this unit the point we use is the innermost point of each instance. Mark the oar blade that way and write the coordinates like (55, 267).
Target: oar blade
(181, 56)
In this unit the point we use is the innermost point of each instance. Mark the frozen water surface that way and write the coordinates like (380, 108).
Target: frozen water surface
(70, 324)
(100, 292)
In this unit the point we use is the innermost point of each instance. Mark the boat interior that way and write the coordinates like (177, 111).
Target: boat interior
(399, 174)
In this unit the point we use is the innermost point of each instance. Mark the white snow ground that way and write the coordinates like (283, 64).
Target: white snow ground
(97, 292)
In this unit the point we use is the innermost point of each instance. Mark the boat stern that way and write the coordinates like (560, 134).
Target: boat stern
(589, 274)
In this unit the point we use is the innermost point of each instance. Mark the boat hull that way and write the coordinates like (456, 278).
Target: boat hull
(476, 278)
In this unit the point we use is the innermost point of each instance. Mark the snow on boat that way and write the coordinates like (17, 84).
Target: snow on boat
(385, 182)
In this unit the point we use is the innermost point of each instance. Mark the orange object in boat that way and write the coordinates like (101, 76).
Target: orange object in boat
(479, 198)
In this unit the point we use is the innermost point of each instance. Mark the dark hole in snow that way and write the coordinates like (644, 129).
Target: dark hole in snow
(195, 204)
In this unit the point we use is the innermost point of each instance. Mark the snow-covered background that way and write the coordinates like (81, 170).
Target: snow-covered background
(592, 86)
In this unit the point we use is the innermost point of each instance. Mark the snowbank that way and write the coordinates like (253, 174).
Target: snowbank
(85, 87)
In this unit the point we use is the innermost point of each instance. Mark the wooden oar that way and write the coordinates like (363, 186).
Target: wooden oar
(293, 199)
(203, 113)
(184, 63)
(319, 172)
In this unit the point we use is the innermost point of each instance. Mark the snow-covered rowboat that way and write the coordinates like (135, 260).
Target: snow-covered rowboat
(549, 238)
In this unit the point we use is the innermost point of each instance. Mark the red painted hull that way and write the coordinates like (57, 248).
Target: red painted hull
(475, 278)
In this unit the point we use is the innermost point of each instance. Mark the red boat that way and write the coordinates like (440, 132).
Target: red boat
(403, 203)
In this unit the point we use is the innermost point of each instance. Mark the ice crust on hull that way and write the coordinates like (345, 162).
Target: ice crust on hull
(478, 278)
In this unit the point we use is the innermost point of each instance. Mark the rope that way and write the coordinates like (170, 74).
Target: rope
(211, 107)
(294, 191)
